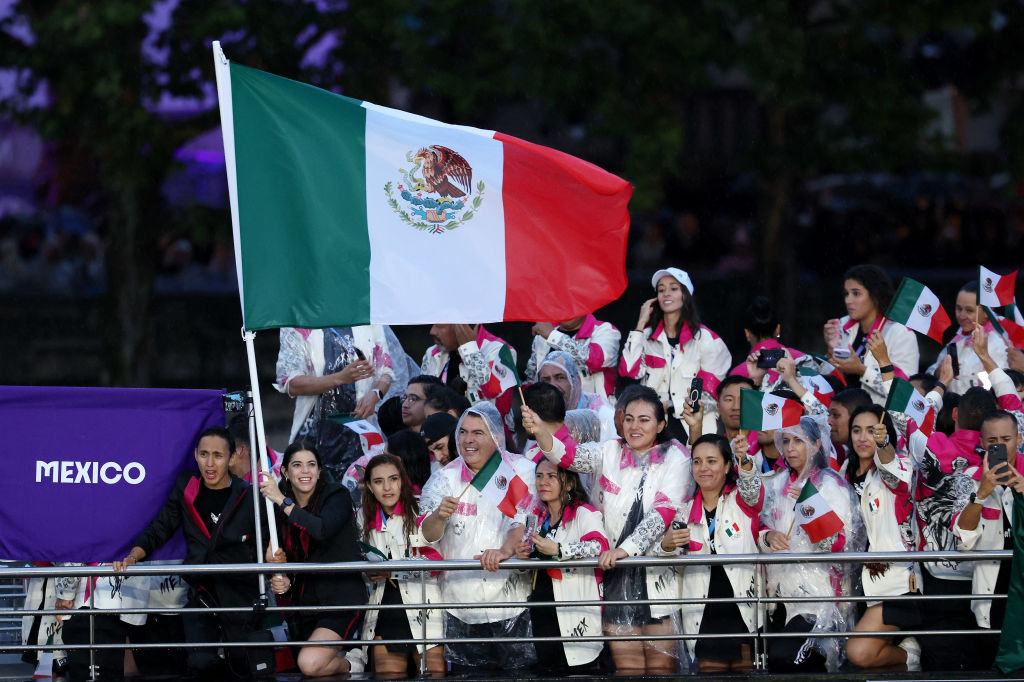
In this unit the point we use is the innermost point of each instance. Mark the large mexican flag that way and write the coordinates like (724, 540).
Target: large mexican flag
(345, 212)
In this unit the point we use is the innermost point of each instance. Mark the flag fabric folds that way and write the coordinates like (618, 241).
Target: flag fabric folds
(1009, 329)
(766, 412)
(917, 307)
(823, 390)
(903, 397)
(503, 373)
(345, 212)
(814, 514)
(499, 483)
(995, 290)
(94, 466)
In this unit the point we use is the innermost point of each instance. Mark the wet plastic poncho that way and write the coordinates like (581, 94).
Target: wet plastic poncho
(577, 398)
(813, 579)
(479, 525)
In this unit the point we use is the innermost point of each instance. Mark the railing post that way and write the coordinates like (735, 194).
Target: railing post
(92, 628)
(760, 657)
(424, 615)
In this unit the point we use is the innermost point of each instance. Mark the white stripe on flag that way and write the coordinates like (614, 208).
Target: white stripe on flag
(471, 258)
(929, 302)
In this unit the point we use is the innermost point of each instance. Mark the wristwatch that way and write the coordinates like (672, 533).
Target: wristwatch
(286, 502)
(380, 396)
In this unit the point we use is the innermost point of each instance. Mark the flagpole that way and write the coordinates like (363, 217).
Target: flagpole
(261, 439)
(254, 467)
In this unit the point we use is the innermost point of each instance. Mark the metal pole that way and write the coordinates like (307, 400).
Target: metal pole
(758, 578)
(92, 628)
(254, 474)
(424, 614)
(261, 439)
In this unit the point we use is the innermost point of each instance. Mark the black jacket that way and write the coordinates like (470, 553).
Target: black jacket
(324, 533)
(233, 541)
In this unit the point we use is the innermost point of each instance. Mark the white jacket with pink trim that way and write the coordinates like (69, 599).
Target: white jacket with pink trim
(594, 347)
(477, 366)
(580, 535)
(647, 356)
(737, 524)
(903, 353)
(617, 474)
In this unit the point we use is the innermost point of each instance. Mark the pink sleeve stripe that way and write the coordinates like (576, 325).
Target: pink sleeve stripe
(631, 371)
(752, 511)
(570, 454)
(595, 535)
(900, 373)
(990, 513)
(1009, 402)
(710, 381)
(595, 360)
(667, 514)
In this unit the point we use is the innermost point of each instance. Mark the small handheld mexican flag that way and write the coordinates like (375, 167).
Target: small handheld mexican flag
(814, 514)
(499, 483)
(503, 373)
(370, 438)
(1007, 328)
(995, 290)
(917, 307)
(826, 367)
(816, 382)
(766, 412)
(903, 397)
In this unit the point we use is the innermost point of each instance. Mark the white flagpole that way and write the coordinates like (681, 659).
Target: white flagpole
(223, 73)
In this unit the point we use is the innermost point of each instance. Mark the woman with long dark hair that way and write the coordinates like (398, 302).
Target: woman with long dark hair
(567, 528)
(316, 525)
(669, 348)
(388, 527)
(867, 292)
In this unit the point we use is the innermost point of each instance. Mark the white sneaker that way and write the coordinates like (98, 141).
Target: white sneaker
(913, 649)
(356, 660)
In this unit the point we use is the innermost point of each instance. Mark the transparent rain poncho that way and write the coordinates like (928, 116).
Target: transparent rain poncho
(780, 513)
(564, 361)
(476, 526)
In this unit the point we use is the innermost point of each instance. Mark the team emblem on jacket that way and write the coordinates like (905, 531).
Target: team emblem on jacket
(987, 286)
(436, 193)
(500, 482)
(771, 409)
(925, 309)
(807, 511)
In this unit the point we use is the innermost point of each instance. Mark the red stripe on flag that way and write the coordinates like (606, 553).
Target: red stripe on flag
(791, 412)
(1005, 288)
(939, 324)
(517, 490)
(566, 222)
(824, 526)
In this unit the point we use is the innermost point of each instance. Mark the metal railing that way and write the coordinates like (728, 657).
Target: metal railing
(757, 638)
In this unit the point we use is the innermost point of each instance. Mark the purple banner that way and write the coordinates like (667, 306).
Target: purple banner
(86, 469)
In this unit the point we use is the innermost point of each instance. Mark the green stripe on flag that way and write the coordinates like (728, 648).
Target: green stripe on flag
(486, 472)
(750, 409)
(900, 395)
(807, 492)
(505, 357)
(903, 303)
(301, 167)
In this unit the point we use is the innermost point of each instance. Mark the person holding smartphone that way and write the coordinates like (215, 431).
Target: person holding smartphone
(722, 518)
(867, 292)
(987, 520)
(670, 347)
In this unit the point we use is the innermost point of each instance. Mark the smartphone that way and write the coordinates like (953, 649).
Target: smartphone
(680, 525)
(769, 357)
(996, 455)
(531, 527)
(841, 353)
(696, 386)
(952, 352)
(360, 354)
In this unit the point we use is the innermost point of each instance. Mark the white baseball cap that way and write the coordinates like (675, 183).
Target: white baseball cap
(675, 273)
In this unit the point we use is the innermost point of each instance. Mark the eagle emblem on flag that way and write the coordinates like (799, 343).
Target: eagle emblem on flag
(771, 409)
(988, 285)
(925, 309)
(500, 482)
(436, 193)
(918, 404)
(807, 511)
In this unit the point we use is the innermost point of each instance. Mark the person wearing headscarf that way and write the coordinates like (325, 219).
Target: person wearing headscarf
(459, 512)
(560, 370)
(669, 348)
(796, 495)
